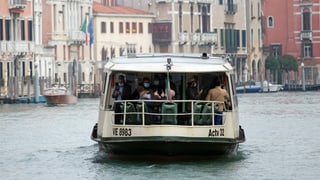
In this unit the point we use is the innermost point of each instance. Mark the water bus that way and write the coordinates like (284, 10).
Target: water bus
(172, 124)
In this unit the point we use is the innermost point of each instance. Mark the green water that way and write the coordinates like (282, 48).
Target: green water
(282, 130)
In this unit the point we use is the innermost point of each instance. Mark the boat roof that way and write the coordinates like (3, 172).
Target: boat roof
(159, 62)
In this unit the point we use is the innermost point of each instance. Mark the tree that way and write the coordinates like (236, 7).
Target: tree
(272, 64)
(288, 63)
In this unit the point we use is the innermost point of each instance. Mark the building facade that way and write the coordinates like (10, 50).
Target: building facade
(219, 27)
(21, 50)
(293, 27)
(65, 31)
(119, 30)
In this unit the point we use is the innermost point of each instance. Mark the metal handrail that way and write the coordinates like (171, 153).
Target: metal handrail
(143, 112)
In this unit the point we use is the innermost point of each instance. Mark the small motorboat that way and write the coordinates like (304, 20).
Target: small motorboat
(59, 95)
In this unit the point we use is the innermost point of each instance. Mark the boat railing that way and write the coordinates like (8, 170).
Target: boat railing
(165, 112)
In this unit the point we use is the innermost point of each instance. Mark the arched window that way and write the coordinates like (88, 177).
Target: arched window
(270, 21)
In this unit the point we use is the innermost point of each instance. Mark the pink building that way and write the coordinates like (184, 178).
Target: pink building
(293, 27)
(16, 44)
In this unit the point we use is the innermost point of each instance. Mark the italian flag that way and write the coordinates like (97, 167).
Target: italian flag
(84, 29)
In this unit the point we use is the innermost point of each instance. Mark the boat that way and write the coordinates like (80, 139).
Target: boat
(136, 129)
(32, 99)
(59, 95)
(248, 87)
(269, 87)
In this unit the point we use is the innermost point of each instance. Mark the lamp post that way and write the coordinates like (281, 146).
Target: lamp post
(303, 77)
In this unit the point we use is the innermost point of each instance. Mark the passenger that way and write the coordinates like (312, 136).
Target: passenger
(122, 91)
(218, 94)
(145, 92)
(157, 94)
(192, 92)
(157, 88)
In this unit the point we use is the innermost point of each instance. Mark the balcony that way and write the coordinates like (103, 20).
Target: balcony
(205, 1)
(163, 1)
(194, 38)
(183, 38)
(231, 9)
(208, 39)
(16, 47)
(203, 39)
(41, 50)
(306, 35)
(17, 4)
(77, 37)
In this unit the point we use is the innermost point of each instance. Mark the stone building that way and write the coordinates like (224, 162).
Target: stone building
(21, 51)
(221, 27)
(293, 27)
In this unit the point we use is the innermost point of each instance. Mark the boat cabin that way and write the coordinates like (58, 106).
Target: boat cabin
(167, 90)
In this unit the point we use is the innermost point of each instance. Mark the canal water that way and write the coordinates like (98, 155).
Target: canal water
(282, 130)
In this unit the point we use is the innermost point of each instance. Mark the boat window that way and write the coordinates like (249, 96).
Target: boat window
(235, 98)
(104, 87)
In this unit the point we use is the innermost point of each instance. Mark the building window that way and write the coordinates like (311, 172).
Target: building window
(150, 27)
(307, 49)
(64, 52)
(1, 76)
(30, 38)
(65, 77)
(270, 22)
(103, 27)
(62, 17)
(191, 17)
(276, 50)
(127, 27)
(120, 27)
(8, 29)
(23, 37)
(306, 19)
(237, 37)
(244, 38)
(221, 37)
(134, 27)
(24, 68)
(1, 30)
(180, 17)
(259, 38)
(230, 42)
(230, 6)
(205, 18)
(111, 27)
(140, 28)
(31, 68)
(220, 2)
(54, 17)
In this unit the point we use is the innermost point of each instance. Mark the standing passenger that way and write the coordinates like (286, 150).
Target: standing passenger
(122, 91)
(192, 92)
(218, 94)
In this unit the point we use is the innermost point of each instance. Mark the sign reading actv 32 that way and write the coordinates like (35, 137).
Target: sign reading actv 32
(161, 32)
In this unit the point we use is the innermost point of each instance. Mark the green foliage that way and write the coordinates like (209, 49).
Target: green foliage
(272, 63)
(288, 63)
(285, 63)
